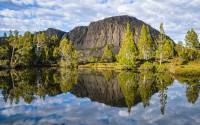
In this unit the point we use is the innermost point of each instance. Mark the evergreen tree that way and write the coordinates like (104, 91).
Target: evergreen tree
(107, 54)
(13, 41)
(145, 43)
(24, 52)
(162, 37)
(191, 39)
(168, 49)
(128, 52)
(68, 54)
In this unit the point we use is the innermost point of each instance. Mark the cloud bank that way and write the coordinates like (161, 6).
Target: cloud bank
(33, 15)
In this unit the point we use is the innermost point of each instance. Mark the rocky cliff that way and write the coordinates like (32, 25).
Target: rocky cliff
(90, 40)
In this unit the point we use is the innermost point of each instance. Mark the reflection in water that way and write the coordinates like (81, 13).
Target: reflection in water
(118, 89)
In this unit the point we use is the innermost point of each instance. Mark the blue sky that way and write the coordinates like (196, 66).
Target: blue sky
(177, 15)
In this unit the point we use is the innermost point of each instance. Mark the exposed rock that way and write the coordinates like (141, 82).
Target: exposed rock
(52, 31)
(90, 40)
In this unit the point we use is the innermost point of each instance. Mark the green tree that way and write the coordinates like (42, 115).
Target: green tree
(191, 39)
(128, 52)
(161, 43)
(168, 49)
(68, 54)
(107, 54)
(129, 86)
(145, 43)
(192, 92)
(13, 41)
(23, 54)
(40, 40)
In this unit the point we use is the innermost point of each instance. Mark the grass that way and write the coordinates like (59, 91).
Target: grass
(102, 66)
(190, 69)
(172, 66)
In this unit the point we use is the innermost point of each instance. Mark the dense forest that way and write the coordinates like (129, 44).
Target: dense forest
(35, 50)
(39, 49)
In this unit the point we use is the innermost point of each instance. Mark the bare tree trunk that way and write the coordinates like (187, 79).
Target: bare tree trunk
(11, 60)
(161, 58)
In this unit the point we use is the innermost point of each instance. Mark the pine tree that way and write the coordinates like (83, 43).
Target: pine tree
(128, 52)
(165, 46)
(162, 38)
(191, 39)
(13, 41)
(168, 49)
(145, 43)
(107, 54)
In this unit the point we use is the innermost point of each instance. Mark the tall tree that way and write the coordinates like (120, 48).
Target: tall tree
(68, 54)
(191, 39)
(23, 54)
(128, 52)
(145, 43)
(13, 41)
(40, 42)
(161, 43)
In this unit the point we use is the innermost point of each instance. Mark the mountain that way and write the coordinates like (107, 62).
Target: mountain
(90, 40)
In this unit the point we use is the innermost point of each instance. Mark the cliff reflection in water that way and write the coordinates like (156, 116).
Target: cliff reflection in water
(118, 89)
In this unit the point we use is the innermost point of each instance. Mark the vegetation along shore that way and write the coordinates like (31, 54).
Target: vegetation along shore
(138, 47)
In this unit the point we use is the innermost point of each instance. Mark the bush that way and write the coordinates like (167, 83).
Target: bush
(147, 66)
(92, 59)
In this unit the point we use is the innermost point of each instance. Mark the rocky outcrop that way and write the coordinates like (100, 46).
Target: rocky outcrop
(90, 40)
(52, 31)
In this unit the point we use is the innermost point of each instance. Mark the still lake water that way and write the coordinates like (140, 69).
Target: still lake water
(86, 97)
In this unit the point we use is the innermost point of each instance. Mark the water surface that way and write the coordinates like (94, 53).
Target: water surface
(104, 97)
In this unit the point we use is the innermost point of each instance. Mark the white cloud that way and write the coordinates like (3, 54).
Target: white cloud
(178, 16)
(21, 2)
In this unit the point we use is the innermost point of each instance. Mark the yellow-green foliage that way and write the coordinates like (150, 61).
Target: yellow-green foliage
(129, 85)
(192, 92)
(128, 52)
(147, 66)
(68, 54)
(191, 39)
(102, 66)
(145, 43)
(68, 79)
(92, 59)
(146, 84)
(107, 54)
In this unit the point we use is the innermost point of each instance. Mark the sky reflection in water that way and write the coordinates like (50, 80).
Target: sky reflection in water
(71, 107)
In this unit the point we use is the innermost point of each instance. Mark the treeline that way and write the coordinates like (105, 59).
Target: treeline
(40, 49)
(36, 49)
(160, 50)
(27, 85)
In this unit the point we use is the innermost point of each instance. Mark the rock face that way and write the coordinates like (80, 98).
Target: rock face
(52, 31)
(90, 40)
(107, 31)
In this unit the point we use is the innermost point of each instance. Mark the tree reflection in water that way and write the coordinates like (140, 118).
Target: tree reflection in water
(120, 89)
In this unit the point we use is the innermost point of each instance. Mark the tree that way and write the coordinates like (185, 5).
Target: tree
(145, 43)
(13, 41)
(23, 54)
(40, 42)
(161, 43)
(107, 54)
(129, 86)
(168, 49)
(128, 52)
(68, 54)
(191, 39)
